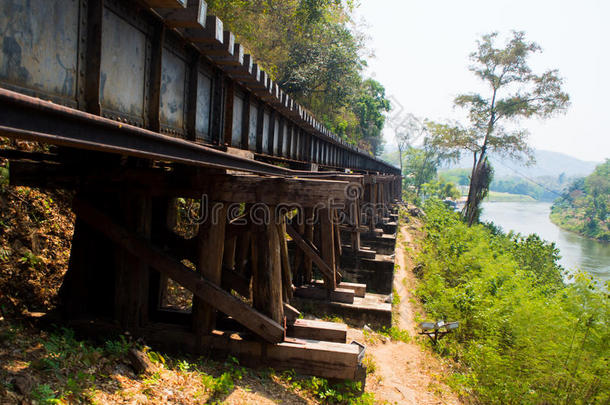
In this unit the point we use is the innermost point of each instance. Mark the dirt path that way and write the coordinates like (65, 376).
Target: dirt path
(407, 373)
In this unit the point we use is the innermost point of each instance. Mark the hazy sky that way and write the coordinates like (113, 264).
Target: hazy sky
(421, 57)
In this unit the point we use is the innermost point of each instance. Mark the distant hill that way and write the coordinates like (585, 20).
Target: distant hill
(548, 163)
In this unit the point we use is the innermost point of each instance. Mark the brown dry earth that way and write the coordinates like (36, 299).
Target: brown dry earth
(407, 373)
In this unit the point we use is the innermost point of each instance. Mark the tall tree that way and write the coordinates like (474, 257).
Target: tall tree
(514, 93)
(406, 129)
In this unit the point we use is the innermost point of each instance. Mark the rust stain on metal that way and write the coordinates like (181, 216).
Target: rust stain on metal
(39, 45)
(122, 83)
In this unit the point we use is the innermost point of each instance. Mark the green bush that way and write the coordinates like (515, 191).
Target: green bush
(524, 335)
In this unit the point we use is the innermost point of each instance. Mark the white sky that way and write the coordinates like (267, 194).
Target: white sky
(421, 57)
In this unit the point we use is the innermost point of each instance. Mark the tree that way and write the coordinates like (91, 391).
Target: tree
(405, 131)
(369, 109)
(314, 51)
(514, 93)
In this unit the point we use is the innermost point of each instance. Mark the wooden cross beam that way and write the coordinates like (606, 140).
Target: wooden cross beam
(191, 16)
(178, 183)
(311, 252)
(212, 294)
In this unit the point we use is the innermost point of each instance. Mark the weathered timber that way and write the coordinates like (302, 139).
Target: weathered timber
(185, 183)
(193, 16)
(318, 330)
(256, 322)
(308, 236)
(310, 251)
(131, 279)
(242, 251)
(343, 295)
(291, 313)
(165, 3)
(327, 247)
(232, 280)
(210, 239)
(358, 289)
(286, 272)
(309, 357)
(266, 270)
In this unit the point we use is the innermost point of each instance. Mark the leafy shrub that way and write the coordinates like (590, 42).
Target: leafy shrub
(524, 336)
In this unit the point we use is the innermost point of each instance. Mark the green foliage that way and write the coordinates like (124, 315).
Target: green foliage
(156, 357)
(514, 93)
(420, 167)
(30, 260)
(312, 50)
(396, 334)
(4, 177)
(524, 336)
(344, 393)
(585, 207)
(44, 394)
(441, 189)
(117, 348)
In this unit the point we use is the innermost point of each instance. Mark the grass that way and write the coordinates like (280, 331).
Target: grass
(63, 369)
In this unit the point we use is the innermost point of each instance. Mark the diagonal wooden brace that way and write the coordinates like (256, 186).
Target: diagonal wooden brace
(212, 294)
(310, 251)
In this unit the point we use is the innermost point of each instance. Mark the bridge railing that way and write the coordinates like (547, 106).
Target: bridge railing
(165, 66)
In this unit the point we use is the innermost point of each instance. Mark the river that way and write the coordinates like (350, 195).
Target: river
(576, 251)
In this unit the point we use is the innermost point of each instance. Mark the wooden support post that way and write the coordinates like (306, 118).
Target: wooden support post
(327, 246)
(211, 239)
(132, 274)
(355, 233)
(242, 250)
(308, 236)
(286, 273)
(163, 221)
(299, 257)
(266, 274)
(228, 256)
(207, 291)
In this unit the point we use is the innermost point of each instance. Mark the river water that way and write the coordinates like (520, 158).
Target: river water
(577, 252)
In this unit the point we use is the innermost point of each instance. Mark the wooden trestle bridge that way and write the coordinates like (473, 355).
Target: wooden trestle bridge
(144, 102)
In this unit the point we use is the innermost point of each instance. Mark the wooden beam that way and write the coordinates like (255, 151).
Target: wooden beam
(343, 295)
(165, 3)
(318, 330)
(308, 236)
(358, 289)
(327, 246)
(210, 246)
(266, 270)
(291, 313)
(286, 273)
(209, 292)
(305, 356)
(310, 251)
(193, 16)
(231, 280)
